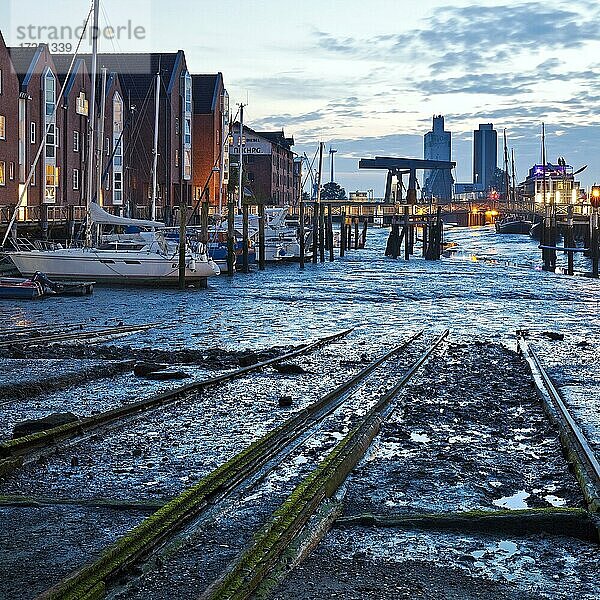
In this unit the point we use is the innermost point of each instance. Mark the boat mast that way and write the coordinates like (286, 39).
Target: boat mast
(155, 148)
(543, 164)
(514, 177)
(99, 145)
(506, 175)
(91, 128)
(241, 160)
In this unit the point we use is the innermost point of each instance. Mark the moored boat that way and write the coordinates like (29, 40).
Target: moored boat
(514, 224)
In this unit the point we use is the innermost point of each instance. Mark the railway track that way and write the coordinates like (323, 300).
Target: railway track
(267, 452)
(14, 453)
(578, 448)
(20, 340)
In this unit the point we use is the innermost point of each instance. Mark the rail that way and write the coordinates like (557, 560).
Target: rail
(272, 541)
(14, 452)
(92, 579)
(578, 448)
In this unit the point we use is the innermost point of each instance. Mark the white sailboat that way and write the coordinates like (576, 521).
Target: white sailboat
(144, 257)
(281, 237)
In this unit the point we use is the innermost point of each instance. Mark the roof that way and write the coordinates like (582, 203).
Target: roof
(138, 70)
(23, 60)
(277, 137)
(205, 92)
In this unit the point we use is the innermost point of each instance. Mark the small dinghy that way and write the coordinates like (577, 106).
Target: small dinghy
(39, 286)
(19, 287)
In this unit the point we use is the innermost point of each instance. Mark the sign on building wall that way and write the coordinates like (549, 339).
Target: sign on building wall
(252, 145)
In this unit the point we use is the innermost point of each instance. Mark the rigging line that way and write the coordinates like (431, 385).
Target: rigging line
(48, 127)
(310, 167)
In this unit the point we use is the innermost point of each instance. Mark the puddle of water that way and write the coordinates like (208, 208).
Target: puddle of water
(420, 437)
(514, 502)
(555, 500)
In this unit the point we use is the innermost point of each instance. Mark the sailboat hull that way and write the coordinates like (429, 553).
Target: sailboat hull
(122, 267)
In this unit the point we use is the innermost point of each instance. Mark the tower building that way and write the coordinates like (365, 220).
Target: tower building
(437, 183)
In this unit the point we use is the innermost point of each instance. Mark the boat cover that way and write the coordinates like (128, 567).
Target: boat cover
(101, 217)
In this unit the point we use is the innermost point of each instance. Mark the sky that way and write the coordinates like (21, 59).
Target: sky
(366, 77)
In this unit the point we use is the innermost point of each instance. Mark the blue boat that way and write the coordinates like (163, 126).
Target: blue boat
(20, 288)
(38, 286)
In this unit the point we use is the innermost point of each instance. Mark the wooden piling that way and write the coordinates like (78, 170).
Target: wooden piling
(349, 235)
(330, 233)
(363, 242)
(356, 233)
(343, 233)
(261, 236)
(594, 242)
(425, 234)
(245, 240)
(569, 240)
(301, 233)
(315, 237)
(406, 234)
(322, 233)
(230, 235)
(182, 240)
(44, 221)
(204, 221)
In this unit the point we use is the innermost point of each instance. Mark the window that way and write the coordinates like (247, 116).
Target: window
(75, 179)
(188, 131)
(32, 133)
(51, 176)
(11, 170)
(76, 141)
(2, 168)
(176, 157)
(176, 125)
(81, 106)
(107, 146)
(33, 178)
(50, 92)
(187, 164)
(2, 127)
(51, 141)
(118, 188)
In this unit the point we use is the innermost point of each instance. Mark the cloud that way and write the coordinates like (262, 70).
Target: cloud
(475, 36)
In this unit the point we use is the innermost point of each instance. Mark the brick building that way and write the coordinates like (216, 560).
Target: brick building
(268, 164)
(73, 143)
(211, 132)
(9, 129)
(37, 114)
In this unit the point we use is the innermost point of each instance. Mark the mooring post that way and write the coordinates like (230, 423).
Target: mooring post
(301, 232)
(315, 236)
(182, 240)
(330, 233)
(230, 234)
(364, 232)
(545, 239)
(204, 220)
(594, 236)
(343, 232)
(70, 223)
(44, 221)
(569, 240)
(245, 235)
(261, 235)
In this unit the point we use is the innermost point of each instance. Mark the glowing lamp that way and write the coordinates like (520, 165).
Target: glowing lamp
(595, 196)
